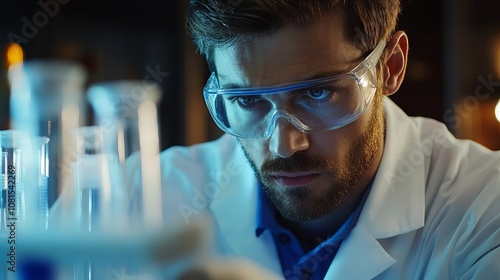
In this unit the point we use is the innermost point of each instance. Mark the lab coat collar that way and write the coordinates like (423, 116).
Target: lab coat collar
(396, 204)
(360, 257)
(235, 212)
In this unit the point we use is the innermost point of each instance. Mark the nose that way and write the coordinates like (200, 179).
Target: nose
(286, 139)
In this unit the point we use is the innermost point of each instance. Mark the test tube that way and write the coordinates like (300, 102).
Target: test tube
(40, 173)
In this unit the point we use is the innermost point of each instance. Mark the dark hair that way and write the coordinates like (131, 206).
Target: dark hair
(214, 23)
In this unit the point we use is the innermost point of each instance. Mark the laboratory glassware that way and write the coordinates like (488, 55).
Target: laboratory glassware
(47, 100)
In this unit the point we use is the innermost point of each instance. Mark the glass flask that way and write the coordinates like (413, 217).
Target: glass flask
(128, 109)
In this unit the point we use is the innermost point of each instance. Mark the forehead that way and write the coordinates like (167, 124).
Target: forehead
(291, 54)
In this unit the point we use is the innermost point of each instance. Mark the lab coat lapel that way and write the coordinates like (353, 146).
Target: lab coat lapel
(396, 204)
(235, 211)
(360, 257)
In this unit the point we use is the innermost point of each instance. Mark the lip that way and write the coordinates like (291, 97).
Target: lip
(294, 179)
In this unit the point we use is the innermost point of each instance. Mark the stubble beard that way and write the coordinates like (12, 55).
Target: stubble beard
(312, 202)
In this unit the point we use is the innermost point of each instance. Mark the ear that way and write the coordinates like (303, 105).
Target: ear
(395, 62)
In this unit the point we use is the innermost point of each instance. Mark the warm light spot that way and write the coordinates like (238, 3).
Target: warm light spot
(14, 54)
(497, 111)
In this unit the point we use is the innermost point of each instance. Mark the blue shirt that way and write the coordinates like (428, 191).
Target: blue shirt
(295, 263)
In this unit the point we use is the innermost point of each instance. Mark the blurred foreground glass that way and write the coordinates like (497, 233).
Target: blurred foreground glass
(128, 109)
(47, 100)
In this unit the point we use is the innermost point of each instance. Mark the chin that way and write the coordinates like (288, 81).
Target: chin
(300, 204)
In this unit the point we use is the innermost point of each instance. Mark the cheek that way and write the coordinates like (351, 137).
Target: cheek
(339, 145)
(257, 151)
(335, 144)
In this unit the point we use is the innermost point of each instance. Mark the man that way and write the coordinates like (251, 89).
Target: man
(320, 175)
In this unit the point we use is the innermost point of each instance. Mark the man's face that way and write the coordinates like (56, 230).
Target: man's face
(305, 175)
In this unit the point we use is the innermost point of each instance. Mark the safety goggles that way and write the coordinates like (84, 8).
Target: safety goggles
(311, 106)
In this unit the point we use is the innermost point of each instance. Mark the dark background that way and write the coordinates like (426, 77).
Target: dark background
(452, 44)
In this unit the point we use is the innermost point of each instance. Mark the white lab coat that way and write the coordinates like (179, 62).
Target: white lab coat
(433, 211)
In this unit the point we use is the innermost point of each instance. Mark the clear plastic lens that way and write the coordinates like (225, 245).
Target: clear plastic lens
(311, 106)
(316, 108)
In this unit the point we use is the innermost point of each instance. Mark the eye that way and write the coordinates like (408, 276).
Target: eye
(246, 101)
(317, 93)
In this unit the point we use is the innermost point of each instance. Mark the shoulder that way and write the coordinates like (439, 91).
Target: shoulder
(464, 165)
(461, 184)
(460, 178)
(201, 162)
(462, 198)
(461, 174)
(446, 159)
(224, 147)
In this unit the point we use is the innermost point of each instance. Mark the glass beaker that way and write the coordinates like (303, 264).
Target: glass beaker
(47, 100)
(23, 176)
(23, 201)
(15, 151)
(129, 109)
(116, 106)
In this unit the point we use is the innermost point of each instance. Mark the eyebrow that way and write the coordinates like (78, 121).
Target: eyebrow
(231, 86)
(320, 75)
(225, 86)
(325, 74)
